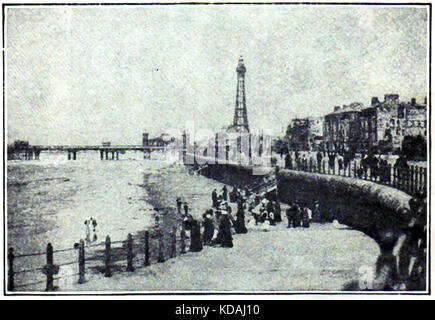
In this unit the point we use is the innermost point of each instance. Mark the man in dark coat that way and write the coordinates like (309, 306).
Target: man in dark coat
(319, 157)
(288, 161)
(224, 237)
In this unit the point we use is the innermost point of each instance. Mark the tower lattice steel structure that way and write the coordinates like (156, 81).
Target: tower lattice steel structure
(241, 114)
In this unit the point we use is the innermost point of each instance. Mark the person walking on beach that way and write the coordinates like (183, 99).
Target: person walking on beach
(87, 231)
(296, 215)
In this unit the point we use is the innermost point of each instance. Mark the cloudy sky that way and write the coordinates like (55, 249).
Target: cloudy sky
(82, 75)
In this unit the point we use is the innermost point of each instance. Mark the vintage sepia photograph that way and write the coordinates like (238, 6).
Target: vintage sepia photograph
(216, 148)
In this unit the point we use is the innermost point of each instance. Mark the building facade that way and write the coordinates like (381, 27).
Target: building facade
(305, 133)
(342, 128)
(385, 124)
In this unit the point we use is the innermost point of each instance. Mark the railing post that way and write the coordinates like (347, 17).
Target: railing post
(107, 259)
(82, 262)
(161, 257)
(11, 257)
(49, 268)
(183, 240)
(147, 249)
(174, 243)
(387, 174)
(130, 267)
(412, 179)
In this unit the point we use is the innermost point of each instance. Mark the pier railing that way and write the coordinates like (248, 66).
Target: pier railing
(59, 269)
(411, 179)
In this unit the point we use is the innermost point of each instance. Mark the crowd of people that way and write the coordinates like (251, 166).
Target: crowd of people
(236, 211)
(374, 166)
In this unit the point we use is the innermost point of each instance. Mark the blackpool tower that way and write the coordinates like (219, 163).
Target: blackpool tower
(241, 114)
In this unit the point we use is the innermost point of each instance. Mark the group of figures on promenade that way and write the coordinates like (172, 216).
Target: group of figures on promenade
(401, 264)
(226, 217)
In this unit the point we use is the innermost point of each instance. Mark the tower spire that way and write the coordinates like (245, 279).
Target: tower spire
(241, 113)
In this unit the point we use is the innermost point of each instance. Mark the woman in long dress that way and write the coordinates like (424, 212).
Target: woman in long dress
(208, 224)
(224, 237)
(240, 218)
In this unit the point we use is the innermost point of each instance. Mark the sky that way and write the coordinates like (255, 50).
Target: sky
(87, 74)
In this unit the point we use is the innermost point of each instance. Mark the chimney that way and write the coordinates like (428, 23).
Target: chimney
(412, 101)
(337, 108)
(391, 97)
(145, 139)
(375, 101)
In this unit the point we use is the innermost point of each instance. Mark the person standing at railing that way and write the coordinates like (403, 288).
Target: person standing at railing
(346, 160)
(288, 161)
(331, 162)
(384, 172)
(402, 168)
(340, 163)
(179, 203)
(319, 157)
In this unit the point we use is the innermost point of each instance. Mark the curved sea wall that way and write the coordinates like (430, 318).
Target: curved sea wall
(362, 205)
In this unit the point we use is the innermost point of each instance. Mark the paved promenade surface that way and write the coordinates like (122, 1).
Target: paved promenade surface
(319, 258)
(322, 257)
